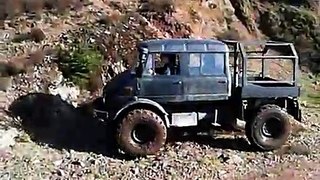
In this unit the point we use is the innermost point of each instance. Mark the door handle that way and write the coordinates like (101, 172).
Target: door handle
(177, 82)
(222, 81)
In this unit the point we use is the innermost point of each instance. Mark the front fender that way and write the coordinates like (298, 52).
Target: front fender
(148, 102)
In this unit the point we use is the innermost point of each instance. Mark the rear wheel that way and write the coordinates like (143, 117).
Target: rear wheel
(269, 129)
(141, 132)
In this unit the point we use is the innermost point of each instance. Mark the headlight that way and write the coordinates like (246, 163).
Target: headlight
(128, 91)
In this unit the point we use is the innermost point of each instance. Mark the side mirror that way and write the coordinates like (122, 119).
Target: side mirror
(143, 56)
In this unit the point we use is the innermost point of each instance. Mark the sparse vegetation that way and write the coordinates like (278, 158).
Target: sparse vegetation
(310, 89)
(299, 25)
(78, 62)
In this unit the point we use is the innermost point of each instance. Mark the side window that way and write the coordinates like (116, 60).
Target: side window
(194, 64)
(212, 64)
(162, 64)
(207, 64)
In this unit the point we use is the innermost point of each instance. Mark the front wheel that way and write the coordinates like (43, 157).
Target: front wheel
(141, 132)
(269, 129)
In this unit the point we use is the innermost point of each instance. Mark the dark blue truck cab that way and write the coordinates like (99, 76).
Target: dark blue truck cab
(189, 82)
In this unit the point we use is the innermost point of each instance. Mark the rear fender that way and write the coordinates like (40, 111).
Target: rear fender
(147, 103)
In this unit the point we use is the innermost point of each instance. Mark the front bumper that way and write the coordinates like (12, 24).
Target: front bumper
(99, 109)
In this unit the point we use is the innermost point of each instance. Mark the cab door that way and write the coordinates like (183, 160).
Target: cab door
(206, 77)
(160, 87)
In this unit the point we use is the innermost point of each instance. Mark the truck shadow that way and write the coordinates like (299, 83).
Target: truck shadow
(50, 120)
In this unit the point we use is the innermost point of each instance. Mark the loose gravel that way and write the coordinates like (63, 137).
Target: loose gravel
(223, 157)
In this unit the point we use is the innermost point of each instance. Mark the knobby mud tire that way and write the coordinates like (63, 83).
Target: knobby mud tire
(254, 128)
(150, 121)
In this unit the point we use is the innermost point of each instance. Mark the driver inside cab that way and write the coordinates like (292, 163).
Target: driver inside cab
(165, 65)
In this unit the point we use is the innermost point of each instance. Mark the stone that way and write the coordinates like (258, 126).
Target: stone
(6, 36)
(66, 93)
(299, 149)
(5, 83)
(7, 137)
(37, 35)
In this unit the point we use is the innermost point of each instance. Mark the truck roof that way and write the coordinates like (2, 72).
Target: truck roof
(184, 45)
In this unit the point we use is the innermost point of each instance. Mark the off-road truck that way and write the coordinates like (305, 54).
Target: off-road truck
(181, 83)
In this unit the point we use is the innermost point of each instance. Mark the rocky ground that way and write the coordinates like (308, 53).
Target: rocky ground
(26, 153)
(59, 141)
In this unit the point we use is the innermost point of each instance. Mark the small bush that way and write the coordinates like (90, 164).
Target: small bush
(79, 62)
(37, 35)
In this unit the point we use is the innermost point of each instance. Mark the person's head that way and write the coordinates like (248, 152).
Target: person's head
(165, 58)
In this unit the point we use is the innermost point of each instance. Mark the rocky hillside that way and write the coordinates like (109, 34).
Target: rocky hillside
(74, 47)
(108, 30)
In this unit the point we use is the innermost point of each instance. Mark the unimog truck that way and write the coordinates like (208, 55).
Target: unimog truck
(204, 83)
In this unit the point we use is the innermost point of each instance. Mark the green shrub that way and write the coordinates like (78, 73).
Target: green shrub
(78, 62)
(288, 23)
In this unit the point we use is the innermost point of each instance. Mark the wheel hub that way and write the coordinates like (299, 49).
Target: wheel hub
(142, 133)
(272, 128)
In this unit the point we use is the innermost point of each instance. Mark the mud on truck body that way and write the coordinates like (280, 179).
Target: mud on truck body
(205, 84)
